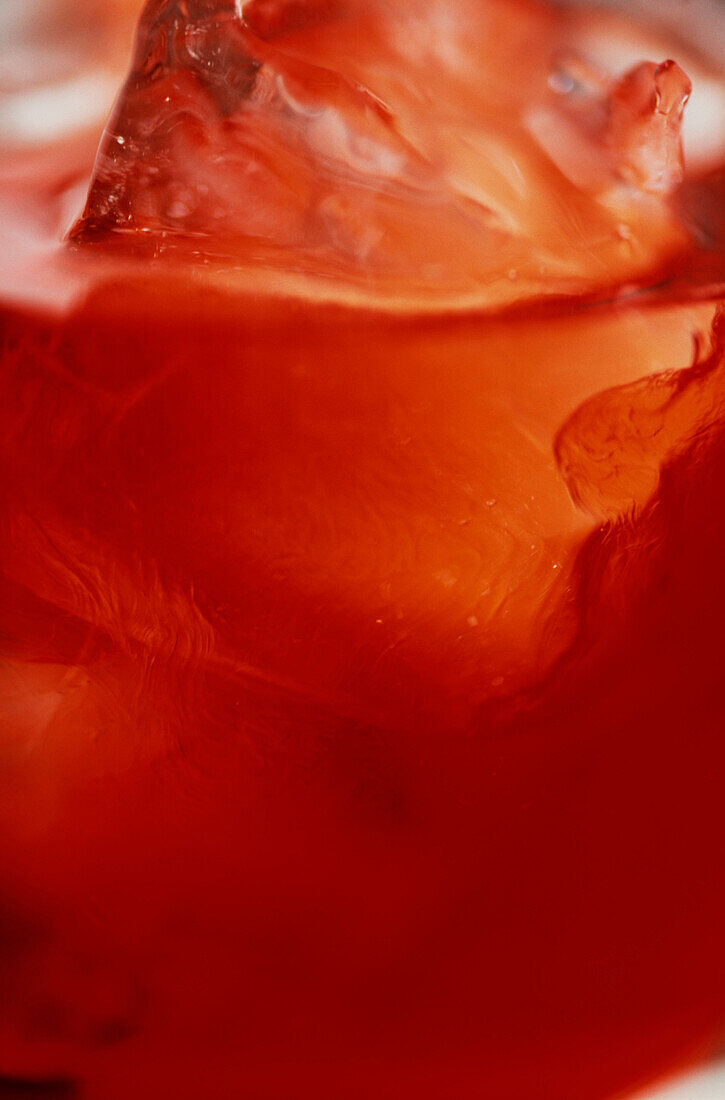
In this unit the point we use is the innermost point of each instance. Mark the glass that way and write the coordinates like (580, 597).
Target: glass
(360, 602)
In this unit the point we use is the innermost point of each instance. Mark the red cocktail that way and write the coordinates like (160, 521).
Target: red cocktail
(361, 560)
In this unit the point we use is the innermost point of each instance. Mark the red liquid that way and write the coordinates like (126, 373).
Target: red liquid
(362, 663)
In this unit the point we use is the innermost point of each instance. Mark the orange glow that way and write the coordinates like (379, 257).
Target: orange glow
(361, 551)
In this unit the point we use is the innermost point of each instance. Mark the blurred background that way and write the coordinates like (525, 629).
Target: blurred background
(60, 65)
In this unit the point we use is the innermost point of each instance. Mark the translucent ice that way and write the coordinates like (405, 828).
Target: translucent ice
(645, 123)
(371, 140)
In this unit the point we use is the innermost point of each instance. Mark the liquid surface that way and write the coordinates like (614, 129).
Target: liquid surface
(361, 560)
